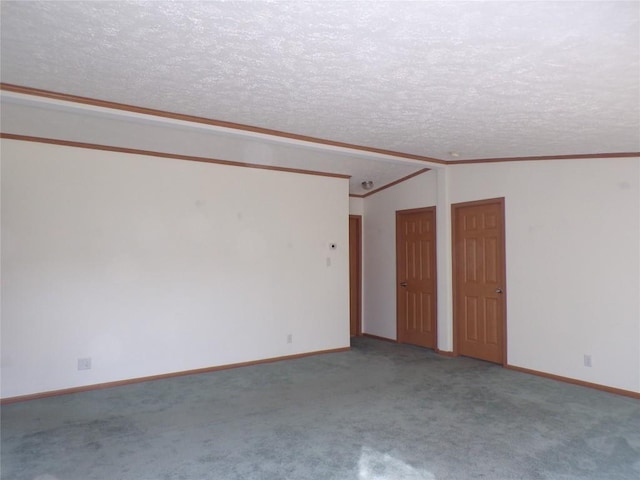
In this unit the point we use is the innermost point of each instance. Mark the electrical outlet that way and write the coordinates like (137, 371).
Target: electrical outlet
(84, 363)
(289, 338)
(587, 360)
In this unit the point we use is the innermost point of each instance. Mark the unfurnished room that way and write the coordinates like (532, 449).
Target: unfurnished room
(320, 240)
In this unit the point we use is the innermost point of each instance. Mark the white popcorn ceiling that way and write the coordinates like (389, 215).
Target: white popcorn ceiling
(485, 79)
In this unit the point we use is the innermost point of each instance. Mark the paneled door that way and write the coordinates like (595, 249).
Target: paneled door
(416, 276)
(479, 299)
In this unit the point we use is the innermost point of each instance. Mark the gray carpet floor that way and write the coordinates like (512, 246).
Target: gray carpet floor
(381, 411)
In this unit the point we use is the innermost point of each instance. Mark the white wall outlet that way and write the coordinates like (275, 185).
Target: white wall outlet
(84, 363)
(289, 338)
(587, 360)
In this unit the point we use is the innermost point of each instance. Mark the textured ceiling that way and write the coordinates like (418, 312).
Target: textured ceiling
(485, 79)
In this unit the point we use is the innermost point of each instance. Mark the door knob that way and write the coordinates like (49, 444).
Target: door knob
(403, 284)
(498, 290)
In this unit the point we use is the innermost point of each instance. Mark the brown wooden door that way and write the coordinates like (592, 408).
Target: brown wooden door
(416, 276)
(479, 280)
(355, 280)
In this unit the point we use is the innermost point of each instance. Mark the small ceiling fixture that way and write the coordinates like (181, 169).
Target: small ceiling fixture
(367, 184)
(454, 154)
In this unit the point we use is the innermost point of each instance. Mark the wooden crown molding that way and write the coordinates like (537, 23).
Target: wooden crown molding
(400, 180)
(206, 121)
(277, 133)
(584, 156)
(93, 146)
(391, 184)
(264, 131)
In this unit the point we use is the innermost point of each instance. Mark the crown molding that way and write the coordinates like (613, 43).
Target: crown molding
(7, 87)
(579, 156)
(23, 93)
(400, 180)
(107, 148)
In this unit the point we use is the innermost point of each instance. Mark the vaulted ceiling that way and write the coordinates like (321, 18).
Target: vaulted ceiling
(480, 79)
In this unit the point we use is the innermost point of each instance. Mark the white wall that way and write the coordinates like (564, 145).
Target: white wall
(573, 260)
(151, 265)
(573, 276)
(356, 206)
(379, 256)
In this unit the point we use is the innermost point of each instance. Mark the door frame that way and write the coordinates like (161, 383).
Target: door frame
(454, 280)
(435, 270)
(358, 219)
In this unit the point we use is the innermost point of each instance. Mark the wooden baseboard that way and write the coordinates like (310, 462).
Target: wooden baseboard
(597, 386)
(100, 386)
(119, 383)
(444, 353)
(376, 337)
